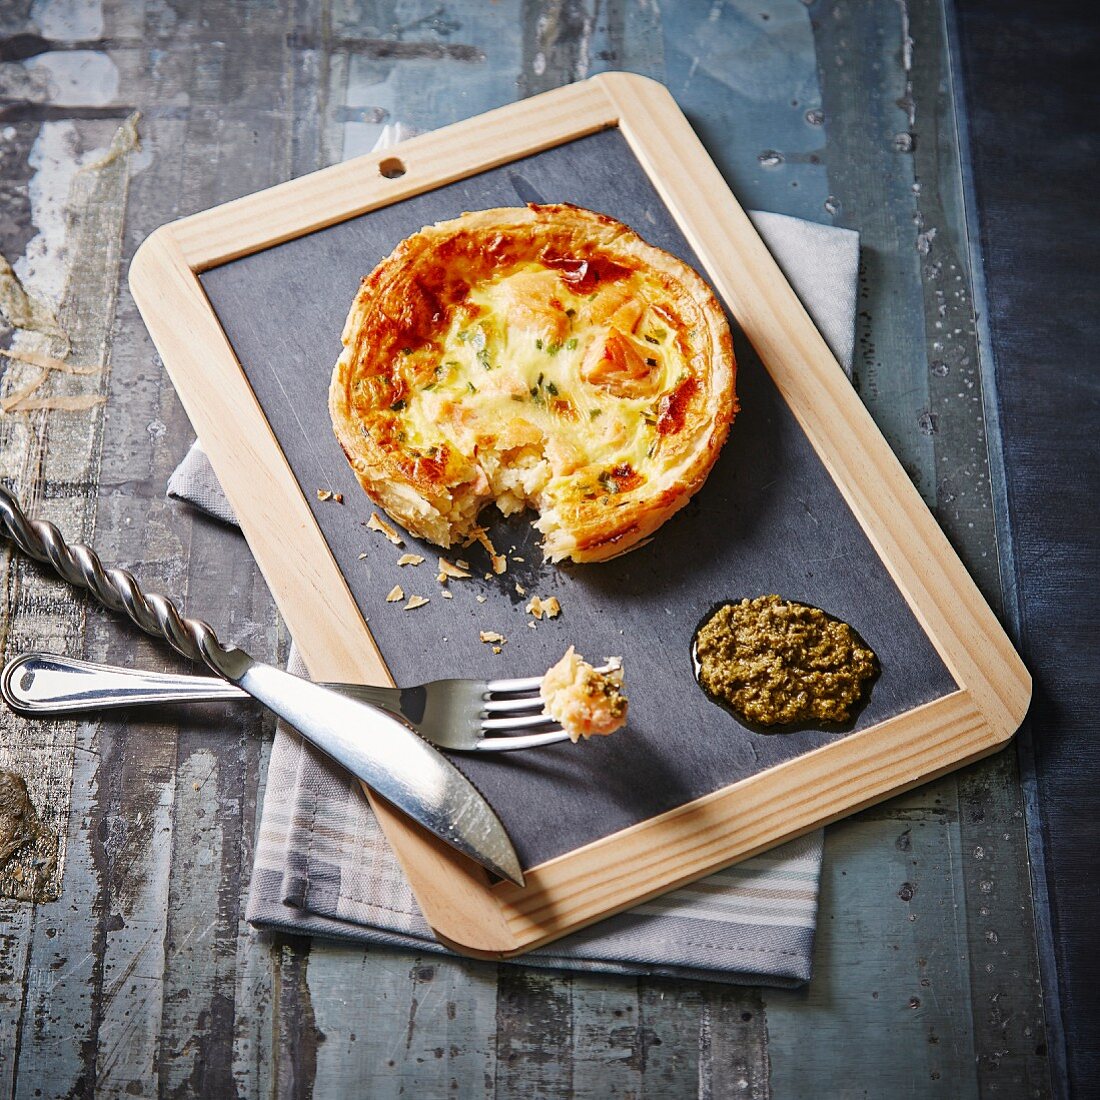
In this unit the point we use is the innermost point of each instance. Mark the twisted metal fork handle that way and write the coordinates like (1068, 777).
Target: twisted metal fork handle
(116, 589)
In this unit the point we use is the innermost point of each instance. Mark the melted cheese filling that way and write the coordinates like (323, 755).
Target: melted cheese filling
(550, 392)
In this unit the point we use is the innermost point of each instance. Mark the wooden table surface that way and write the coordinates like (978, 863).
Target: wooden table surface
(128, 969)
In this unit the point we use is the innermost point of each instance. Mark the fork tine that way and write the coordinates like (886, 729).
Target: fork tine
(531, 683)
(527, 741)
(511, 706)
(524, 722)
(527, 683)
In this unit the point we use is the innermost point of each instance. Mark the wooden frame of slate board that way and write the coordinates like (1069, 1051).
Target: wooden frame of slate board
(989, 688)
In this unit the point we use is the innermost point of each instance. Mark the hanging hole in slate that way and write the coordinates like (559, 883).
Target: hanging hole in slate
(392, 167)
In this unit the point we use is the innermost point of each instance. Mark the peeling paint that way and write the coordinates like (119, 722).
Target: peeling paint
(74, 78)
(19, 310)
(55, 158)
(69, 20)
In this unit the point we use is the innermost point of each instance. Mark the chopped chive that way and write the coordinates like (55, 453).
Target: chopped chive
(397, 406)
(429, 386)
(538, 345)
(551, 389)
(594, 413)
(571, 343)
(570, 313)
(518, 397)
(471, 387)
(652, 339)
(406, 351)
(539, 381)
(463, 337)
(534, 391)
(650, 362)
(553, 349)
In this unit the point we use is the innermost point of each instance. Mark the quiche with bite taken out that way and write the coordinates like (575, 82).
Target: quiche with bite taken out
(542, 356)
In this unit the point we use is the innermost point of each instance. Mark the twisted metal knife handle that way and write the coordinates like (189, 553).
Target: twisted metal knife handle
(116, 589)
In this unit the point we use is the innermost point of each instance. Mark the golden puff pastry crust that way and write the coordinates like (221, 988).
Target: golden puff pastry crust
(541, 356)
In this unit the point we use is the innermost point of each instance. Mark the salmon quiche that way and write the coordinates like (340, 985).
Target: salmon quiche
(544, 357)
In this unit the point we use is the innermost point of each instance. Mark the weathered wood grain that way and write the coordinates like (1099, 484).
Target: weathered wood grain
(941, 387)
(403, 1024)
(239, 96)
(251, 1064)
(890, 911)
(534, 1015)
(1038, 242)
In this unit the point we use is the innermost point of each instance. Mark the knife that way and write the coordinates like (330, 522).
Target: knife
(374, 746)
(380, 750)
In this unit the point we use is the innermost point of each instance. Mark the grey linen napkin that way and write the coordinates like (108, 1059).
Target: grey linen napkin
(323, 867)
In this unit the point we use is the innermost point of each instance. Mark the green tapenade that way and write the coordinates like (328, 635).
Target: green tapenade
(779, 663)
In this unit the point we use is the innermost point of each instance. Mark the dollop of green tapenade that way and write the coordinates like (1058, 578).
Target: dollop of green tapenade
(779, 663)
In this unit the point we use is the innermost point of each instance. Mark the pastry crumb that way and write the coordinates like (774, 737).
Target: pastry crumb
(415, 602)
(550, 607)
(362, 556)
(448, 594)
(479, 535)
(410, 559)
(480, 599)
(520, 589)
(328, 494)
(396, 593)
(449, 569)
(491, 636)
(585, 700)
(462, 564)
(500, 563)
(497, 649)
(375, 524)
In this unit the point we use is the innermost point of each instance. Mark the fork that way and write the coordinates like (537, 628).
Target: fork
(461, 715)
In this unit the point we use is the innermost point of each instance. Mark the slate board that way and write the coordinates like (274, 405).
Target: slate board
(769, 519)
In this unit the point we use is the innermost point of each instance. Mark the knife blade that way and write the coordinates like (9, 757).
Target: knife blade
(384, 753)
